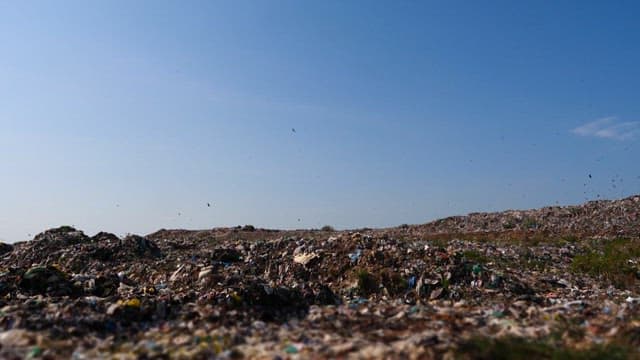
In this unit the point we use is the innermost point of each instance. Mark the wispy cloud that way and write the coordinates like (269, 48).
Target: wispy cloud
(609, 128)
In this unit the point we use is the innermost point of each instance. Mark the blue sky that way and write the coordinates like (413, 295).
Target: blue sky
(132, 116)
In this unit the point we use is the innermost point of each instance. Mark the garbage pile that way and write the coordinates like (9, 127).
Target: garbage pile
(594, 218)
(253, 293)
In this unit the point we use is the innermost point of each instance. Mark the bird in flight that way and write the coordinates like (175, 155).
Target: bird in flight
(208, 205)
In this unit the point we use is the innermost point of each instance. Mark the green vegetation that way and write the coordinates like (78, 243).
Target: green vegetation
(529, 224)
(393, 282)
(570, 239)
(439, 243)
(611, 261)
(508, 225)
(444, 282)
(475, 256)
(367, 283)
(66, 228)
(248, 228)
(519, 348)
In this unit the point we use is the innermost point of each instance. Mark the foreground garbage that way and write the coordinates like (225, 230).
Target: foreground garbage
(548, 283)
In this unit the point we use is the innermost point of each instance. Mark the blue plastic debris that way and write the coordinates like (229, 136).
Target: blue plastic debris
(354, 256)
(412, 282)
(291, 349)
(358, 301)
(160, 286)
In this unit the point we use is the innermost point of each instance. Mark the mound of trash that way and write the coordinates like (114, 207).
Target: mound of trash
(594, 218)
(254, 293)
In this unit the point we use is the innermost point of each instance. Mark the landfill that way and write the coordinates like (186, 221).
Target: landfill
(556, 282)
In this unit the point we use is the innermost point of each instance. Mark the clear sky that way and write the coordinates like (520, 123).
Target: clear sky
(131, 116)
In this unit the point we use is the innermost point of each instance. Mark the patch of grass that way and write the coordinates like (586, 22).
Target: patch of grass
(248, 228)
(367, 283)
(570, 239)
(444, 282)
(611, 262)
(66, 228)
(394, 282)
(439, 243)
(475, 256)
(529, 224)
(508, 225)
(519, 348)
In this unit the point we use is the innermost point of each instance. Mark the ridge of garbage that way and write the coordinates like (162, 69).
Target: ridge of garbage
(542, 281)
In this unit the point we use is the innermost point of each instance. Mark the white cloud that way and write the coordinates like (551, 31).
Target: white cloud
(609, 128)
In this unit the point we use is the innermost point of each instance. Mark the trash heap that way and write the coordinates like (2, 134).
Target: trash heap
(594, 218)
(253, 293)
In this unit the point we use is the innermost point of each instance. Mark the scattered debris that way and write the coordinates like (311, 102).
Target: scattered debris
(428, 291)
